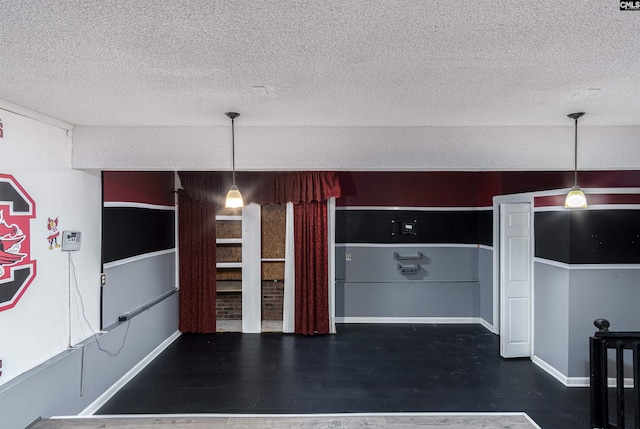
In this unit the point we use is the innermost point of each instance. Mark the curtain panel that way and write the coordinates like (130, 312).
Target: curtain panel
(312, 276)
(197, 241)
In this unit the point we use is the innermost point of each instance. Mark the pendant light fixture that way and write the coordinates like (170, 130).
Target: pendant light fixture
(234, 198)
(575, 197)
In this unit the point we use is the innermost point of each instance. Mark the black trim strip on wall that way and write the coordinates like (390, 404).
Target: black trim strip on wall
(132, 231)
(588, 236)
(438, 226)
(551, 231)
(485, 227)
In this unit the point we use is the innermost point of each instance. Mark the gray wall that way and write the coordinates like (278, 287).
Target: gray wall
(613, 294)
(567, 301)
(135, 283)
(551, 317)
(71, 381)
(485, 277)
(371, 285)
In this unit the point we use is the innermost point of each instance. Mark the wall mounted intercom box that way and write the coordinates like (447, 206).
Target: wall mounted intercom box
(404, 227)
(71, 240)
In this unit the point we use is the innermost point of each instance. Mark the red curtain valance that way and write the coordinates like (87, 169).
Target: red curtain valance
(262, 187)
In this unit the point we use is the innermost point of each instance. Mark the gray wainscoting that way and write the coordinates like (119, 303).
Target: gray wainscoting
(609, 293)
(370, 282)
(135, 283)
(568, 300)
(485, 277)
(551, 315)
(74, 379)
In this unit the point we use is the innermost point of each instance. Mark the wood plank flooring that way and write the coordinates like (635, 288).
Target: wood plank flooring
(386, 368)
(390, 421)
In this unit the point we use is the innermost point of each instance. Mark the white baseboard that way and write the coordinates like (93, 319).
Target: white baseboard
(102, 399)
(419, 320)
(551, 370)
(585, 382)
(575, 381)
(488, 326)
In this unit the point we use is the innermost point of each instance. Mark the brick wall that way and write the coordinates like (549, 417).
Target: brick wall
(229, 306)
(272, 300)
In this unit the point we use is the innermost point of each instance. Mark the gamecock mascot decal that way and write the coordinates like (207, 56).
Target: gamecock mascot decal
(52, 226)
(17, 270)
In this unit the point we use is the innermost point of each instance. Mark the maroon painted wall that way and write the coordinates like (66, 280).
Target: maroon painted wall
(469, 189)
(150, 187)
(409, 189)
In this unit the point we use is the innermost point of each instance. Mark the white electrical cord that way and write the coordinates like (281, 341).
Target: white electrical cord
(72, 271)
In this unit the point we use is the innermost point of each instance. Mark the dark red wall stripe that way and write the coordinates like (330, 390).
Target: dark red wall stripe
(609, 179)
(149, 187)
(515, 182)
(530, 181)
(489, 185)
(469, 189)
(408, 189)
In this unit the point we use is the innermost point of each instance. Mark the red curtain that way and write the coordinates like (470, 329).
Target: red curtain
(262, 187)
(307, 190)
(311, 267)
(197, 241)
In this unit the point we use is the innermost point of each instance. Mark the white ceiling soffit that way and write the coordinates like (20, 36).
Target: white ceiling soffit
(322, 63)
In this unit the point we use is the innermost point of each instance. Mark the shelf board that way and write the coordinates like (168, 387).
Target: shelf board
(229, 265)
(229, 217)
(228, 240)
(229, 286)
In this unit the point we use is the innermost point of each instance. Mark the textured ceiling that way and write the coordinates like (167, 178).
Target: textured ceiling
(322, 63)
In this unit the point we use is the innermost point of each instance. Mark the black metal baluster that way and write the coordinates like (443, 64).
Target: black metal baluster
(636, 382)
(599, 344)
(595, 374)
(620, 384)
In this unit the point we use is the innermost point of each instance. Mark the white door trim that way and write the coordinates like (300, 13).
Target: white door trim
(331, 228)
(288, 311)
(251, 270)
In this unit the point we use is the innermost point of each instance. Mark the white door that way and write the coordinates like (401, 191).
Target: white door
(515, 280)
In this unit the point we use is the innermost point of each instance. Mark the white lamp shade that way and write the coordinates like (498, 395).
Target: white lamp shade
(234, 198)
(575, 199)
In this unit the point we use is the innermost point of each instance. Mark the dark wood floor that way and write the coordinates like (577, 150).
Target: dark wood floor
(364, 368)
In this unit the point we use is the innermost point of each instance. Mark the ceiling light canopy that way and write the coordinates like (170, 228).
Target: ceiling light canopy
(234, 197)
(575, 198)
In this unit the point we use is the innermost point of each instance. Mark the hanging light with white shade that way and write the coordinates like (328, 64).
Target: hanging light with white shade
(575, 198)
(234, 198)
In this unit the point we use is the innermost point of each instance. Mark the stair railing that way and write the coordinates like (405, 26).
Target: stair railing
(602, 341)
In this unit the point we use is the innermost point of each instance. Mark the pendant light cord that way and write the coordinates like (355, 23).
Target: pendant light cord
(233, 151)
(575, 155)
(575, 117)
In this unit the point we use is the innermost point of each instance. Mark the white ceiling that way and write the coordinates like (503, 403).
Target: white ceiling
(322, 62)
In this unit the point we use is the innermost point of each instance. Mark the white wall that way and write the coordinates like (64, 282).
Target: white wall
(356, 148)
(38, 155)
